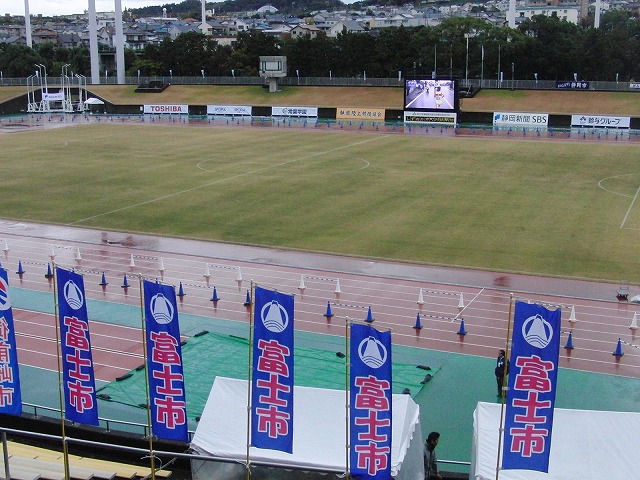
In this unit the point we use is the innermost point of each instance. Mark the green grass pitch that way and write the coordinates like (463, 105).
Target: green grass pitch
(564, 208)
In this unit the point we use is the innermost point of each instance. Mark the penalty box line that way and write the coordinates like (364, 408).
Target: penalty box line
(626, 215)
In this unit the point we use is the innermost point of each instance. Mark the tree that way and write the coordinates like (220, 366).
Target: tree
(556, 47)
(245, 58)
(18, 60)
(312, 56)
(355, 53)
(393, 52)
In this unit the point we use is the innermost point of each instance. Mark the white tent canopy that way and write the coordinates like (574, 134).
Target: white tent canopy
(319, 431)
(586, 444)
(93, 101)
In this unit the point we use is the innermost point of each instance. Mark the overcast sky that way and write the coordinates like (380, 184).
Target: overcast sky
(66, 7)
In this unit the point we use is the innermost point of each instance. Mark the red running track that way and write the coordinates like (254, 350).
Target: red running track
(351, 285)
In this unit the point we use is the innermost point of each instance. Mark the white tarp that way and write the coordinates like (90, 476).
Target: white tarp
(319, 430)
(586, 444)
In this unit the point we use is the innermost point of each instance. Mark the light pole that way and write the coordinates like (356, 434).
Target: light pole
(466, 63)
(41, 67)
(435, 61)
(298, 75)
(513, 69)
(202, 72)
(499, 79)
(171, 75)
(233, 73)
(536, 77)
(481, 64)
(82, 79)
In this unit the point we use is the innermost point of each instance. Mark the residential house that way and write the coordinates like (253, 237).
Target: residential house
(569, 13)
(302, 30)
(69, 40)
(44, 35)
(346, 26)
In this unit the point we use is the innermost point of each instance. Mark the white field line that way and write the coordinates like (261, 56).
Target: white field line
(624, 220)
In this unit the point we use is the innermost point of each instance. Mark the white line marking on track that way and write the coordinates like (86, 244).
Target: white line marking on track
(468, 303)
(215, 182)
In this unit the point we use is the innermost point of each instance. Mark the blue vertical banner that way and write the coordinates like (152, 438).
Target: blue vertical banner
(78, 381)
(532, 388)
(272, 378)
(370, 403)
(165, 372)
(10, 395)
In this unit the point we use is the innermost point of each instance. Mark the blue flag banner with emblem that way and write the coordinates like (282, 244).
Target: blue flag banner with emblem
(10, 395)
(78, 379)
(532, 388)
(370, 403)
(272, 377)
(167, 397)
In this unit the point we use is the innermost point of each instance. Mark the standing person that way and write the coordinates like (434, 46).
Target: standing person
(430, 460)
(499, 371)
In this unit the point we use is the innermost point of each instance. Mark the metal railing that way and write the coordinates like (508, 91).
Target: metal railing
(107, 423)
(515, 84)
(189, 454)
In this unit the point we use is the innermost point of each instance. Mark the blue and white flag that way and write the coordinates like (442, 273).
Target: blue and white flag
(10, 395)
(75, 346)
(272, 379)
(164, 363)
(370, 397)
(532, 388)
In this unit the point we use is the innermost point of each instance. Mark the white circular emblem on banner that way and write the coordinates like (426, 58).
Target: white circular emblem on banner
(274, 317)
(161, 309)
(73, 295)
(537, 331)
(372, 352)
(5, 303)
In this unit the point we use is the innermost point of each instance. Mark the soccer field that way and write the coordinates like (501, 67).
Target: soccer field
(565, 208)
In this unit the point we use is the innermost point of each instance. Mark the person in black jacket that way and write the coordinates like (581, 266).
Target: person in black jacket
(430, 460)
(501, 363)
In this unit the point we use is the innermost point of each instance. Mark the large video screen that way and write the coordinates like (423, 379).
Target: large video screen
(430, 95)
